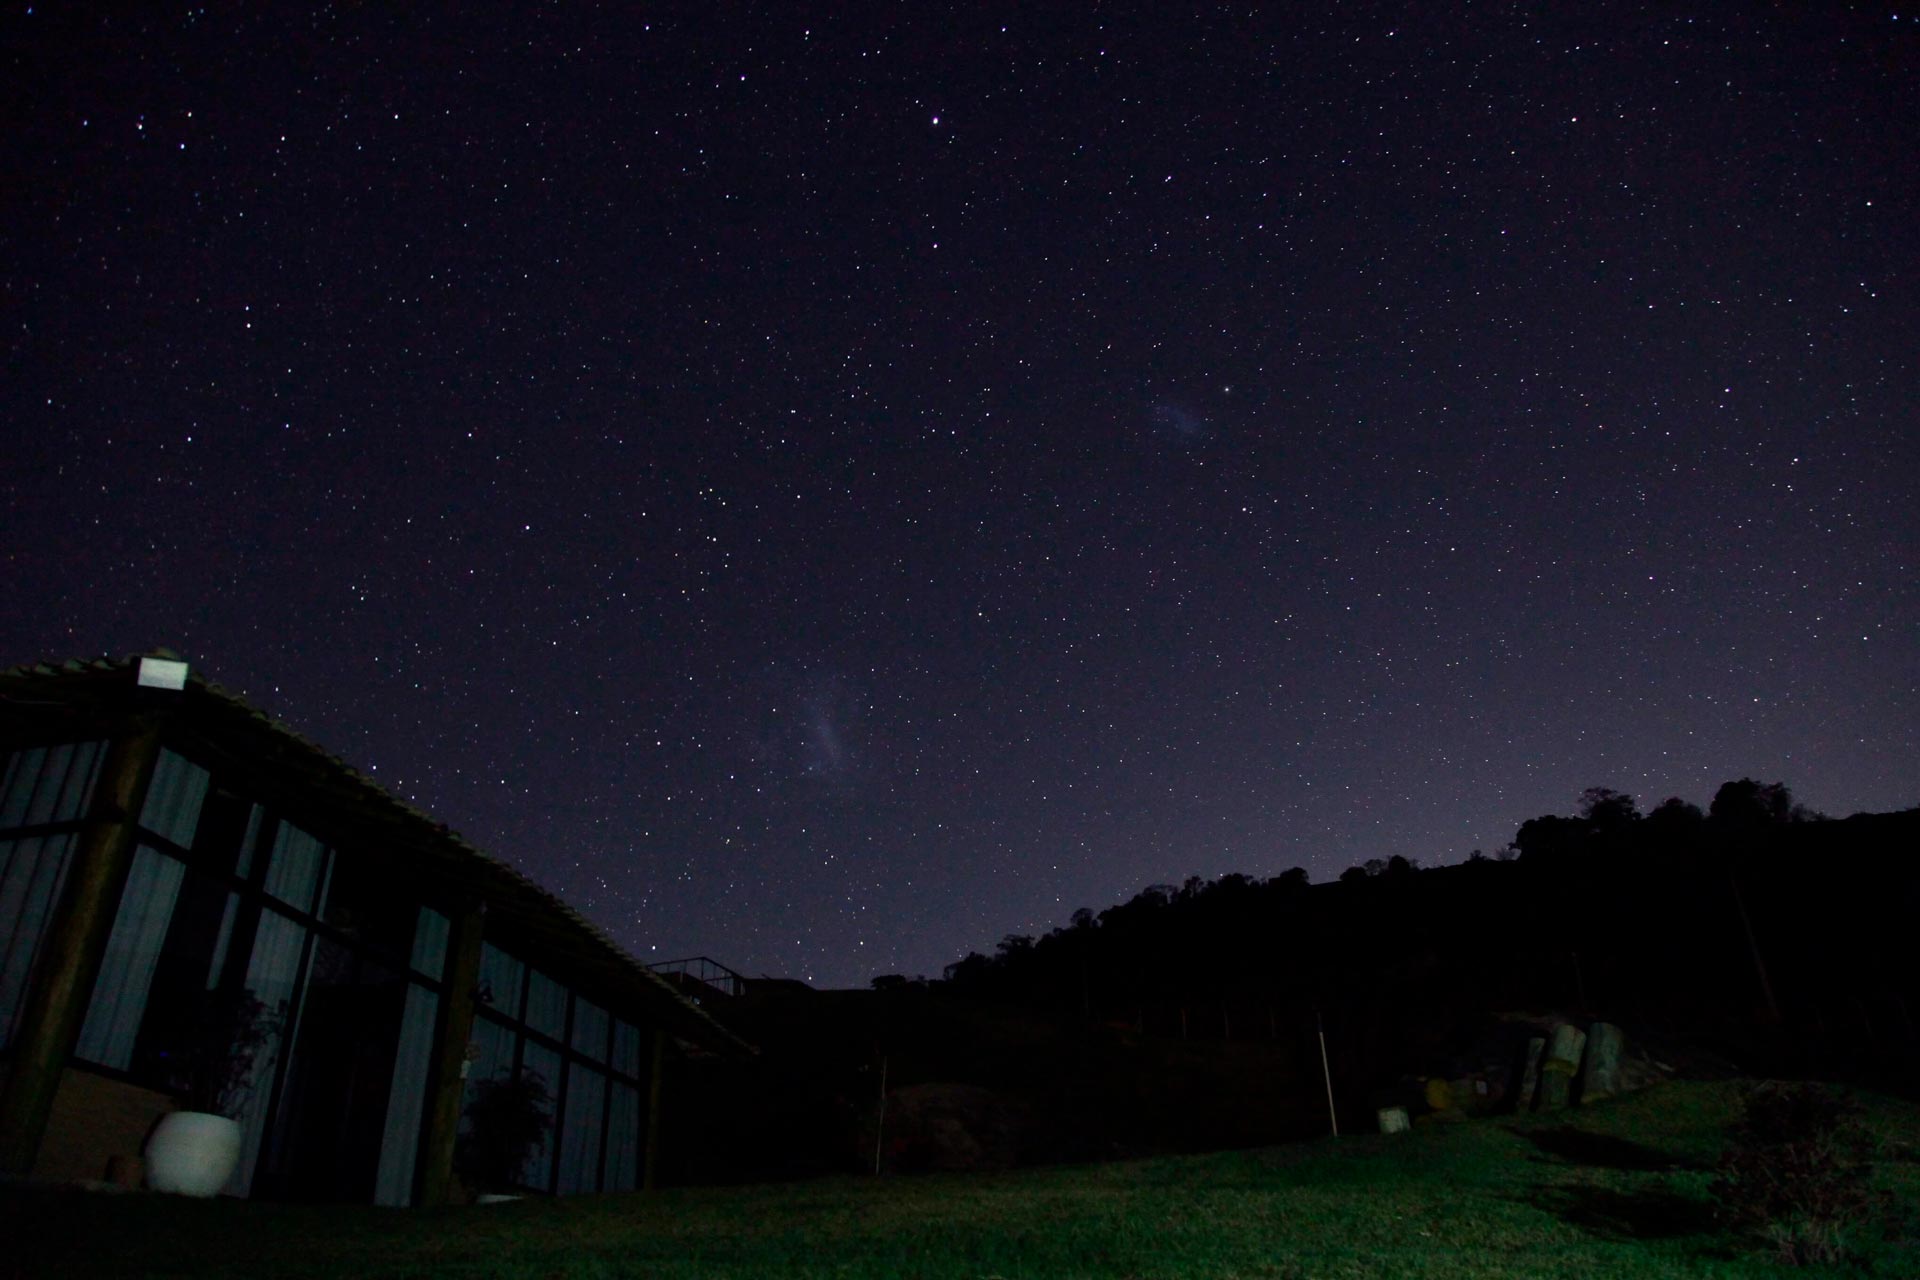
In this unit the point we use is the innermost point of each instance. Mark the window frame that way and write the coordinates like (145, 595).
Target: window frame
(604, 1066)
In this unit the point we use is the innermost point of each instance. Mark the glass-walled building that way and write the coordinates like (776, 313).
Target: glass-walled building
(162, 843)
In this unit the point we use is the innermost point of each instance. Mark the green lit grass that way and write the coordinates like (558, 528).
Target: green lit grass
(1618, 1190)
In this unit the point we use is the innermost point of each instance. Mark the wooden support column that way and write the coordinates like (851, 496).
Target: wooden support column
(650, 1179)
(75, 941)
(450, 1056)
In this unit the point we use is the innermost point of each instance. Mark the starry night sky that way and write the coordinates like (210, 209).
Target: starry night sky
(828, 491)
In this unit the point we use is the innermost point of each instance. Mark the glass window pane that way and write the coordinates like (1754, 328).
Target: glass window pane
(540, 1061)
(48, 784)
(47, 788)
(430, 943)
(546, 1005)
(172, 810)
(133, 949)
(223, 940)
(406, 1101)
(590, 1029)
(17, 783)
(294, 869)
(361, 901)
(227, 821)
(489, 1056)
(274, 977)
(626, 1048)
(76, 792)
(243, 864)
(500, 979)
(623, 1139)
(580, 1130)
(31, 872)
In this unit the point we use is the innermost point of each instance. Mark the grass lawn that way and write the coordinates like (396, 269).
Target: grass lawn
(1616, 1190)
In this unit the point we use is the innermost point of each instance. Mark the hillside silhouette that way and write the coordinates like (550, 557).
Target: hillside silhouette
(1753, 936)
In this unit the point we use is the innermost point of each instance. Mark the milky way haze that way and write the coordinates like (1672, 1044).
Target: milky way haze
(829, 492)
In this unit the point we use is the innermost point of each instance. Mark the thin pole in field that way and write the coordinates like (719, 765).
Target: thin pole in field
(880, 1126)
(1326, 1072)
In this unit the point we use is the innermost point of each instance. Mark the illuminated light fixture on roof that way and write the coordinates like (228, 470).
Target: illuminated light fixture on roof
(162, 673)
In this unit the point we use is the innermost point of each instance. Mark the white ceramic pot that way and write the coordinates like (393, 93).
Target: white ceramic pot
(193, 1153)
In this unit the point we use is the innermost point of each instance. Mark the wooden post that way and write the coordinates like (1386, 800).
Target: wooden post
(462, 978)
(74, 944)
(651, 1179)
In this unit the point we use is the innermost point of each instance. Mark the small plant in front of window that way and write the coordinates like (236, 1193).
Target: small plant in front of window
(212, 1062)
(506, 1122)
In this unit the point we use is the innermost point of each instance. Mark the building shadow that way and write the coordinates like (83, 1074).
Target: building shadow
(1602, 1151)
(1654, 1213)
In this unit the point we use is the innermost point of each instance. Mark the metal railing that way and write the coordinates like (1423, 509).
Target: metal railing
(703, 970)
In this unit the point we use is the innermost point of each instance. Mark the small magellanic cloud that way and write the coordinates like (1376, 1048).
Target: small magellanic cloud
(1178, 422)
